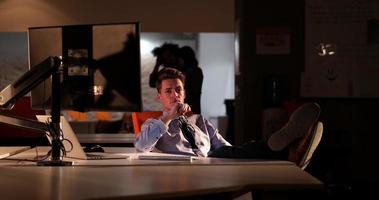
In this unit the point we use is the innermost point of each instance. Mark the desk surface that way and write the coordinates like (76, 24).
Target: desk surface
(152, 179)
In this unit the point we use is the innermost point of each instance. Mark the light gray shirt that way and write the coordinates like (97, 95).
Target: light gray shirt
(158, 137)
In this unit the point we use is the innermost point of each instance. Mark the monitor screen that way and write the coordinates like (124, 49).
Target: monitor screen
(101, 66)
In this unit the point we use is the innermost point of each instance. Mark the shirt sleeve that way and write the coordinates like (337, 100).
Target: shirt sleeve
(216, 139)
(151, 131)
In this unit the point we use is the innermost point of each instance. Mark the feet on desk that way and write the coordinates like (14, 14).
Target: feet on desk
(300, 122)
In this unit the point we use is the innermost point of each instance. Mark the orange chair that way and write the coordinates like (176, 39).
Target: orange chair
(83, 116)
(77, 116)
(138, 118)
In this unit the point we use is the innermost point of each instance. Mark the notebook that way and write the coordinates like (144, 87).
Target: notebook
(9, 151)
(167, 157)
(74, 149)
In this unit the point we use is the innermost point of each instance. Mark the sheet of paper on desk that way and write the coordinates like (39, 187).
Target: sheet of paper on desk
(9, 151)
(167, 157)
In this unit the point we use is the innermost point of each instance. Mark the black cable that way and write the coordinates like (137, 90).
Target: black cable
(58, 137)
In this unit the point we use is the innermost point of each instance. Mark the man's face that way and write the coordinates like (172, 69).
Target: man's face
(172, 92)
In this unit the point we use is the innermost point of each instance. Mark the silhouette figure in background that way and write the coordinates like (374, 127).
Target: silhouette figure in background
(120, 70)
(194, 78)
(167, 55)
(183, 59)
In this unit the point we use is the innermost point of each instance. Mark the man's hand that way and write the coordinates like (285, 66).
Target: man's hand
(177, 110)
(183, 108)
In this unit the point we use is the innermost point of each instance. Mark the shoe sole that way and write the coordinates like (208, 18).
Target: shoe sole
(297, 126)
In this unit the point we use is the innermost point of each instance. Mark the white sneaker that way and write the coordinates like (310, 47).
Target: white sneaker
(301, 120)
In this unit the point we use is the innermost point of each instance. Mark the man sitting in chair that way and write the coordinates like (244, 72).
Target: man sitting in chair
(178, 131)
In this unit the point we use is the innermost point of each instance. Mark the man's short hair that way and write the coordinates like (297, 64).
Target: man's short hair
(169, 73)
(171, 47)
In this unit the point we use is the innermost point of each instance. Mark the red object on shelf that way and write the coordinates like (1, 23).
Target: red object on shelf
(23, 109)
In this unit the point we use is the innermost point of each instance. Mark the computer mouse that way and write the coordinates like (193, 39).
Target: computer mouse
(94, 148)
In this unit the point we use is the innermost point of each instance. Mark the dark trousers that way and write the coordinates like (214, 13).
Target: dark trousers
(250, 150)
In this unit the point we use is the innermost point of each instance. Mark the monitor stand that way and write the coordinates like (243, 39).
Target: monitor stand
(54, 125)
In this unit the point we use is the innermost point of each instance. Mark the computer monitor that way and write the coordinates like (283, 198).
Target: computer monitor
(101, 66)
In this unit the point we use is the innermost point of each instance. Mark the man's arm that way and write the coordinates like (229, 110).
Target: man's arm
(215, 137)
(151, 131)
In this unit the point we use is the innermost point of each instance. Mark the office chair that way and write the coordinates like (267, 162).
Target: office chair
(83, 116)
(77, 116)
(301, 152)
(138, 118)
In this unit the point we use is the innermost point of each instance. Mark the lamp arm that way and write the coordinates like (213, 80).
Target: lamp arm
(28, 81)
(13, 92)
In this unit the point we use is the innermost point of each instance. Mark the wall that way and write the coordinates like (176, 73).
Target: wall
(341, 49)
(13, 57)
(155, 16)
(216, 58)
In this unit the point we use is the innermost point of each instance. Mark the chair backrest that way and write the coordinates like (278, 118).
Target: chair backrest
(77, 116)
(138, 118)
(84, 116)
(302, 151)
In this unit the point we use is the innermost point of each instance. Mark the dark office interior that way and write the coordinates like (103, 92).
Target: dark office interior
(346, 160)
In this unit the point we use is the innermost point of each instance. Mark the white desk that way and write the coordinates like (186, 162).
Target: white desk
(137, 179)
